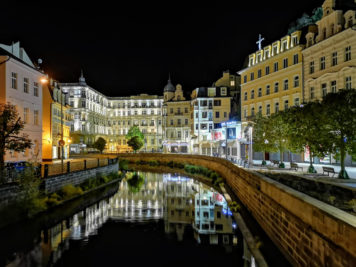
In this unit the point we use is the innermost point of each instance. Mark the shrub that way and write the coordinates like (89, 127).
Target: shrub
(123, 165)
(52, 201)
(170, 164)
(70, 191)
(153, 163)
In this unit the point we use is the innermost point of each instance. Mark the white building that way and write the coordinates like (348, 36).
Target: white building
(20, 85)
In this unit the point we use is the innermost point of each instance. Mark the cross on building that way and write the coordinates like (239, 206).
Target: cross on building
(259, 42)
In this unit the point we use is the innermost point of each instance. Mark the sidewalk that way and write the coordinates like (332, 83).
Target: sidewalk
(351, 171)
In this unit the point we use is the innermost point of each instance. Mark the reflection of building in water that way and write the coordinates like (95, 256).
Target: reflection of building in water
(213, 219)
(82, 224)
(140, 206)
(178, 203)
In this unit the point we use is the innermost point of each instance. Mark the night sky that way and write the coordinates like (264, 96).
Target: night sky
(130, 50)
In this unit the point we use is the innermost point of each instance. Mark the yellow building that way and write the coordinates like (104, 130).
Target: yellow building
(52, 123)
(272, 80)
(329, 56)
(176, 120)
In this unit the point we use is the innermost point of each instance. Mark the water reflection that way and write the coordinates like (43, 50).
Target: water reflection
(185, 205)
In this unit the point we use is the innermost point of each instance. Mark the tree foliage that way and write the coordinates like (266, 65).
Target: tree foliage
(100, 144)
(134, 131)
(135, 143)
(262, 134)
(340, 110)
(11, 126)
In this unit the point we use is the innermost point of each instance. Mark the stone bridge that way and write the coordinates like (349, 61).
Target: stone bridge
(307, 231)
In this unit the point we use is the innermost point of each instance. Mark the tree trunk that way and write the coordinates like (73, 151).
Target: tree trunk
(343, 174)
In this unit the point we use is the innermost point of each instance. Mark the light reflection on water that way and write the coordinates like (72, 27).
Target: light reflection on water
(182, 203)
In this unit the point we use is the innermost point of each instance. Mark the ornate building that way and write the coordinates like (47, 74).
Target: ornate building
(95, 115)
(176, 123)
(329, 56)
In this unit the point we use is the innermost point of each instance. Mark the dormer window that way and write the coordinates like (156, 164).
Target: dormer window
(284, 45)
(251, 61)
(295, 40)
(275, 50)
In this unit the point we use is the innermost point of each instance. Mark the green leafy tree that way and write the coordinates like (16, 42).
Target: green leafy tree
(307, 129)
(10, 127)
(340, 110)
(262, 135)
(135, 143)
(134, 131)
(279, 134)
(100, 144)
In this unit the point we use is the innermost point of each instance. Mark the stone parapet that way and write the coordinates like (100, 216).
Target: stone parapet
(307, 231)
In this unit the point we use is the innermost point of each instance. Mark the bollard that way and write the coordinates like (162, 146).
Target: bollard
(45, 171)
(85, 164)
(68, 167)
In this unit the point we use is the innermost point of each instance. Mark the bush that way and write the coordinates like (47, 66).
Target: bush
(52, 201)
(153, 163)
(170, 164)
(123, 165)
(70, 191)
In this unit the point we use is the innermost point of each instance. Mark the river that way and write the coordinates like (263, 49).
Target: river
(159, 220)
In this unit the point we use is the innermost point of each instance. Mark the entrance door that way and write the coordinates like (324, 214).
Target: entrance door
(266, 155)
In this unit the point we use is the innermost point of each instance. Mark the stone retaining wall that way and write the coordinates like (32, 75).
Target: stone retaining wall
(308, 232)
(55, 183)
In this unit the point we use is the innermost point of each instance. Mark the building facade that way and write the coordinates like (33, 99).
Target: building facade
(56, 118)
(329, 56)
(20, 85)
(210, 106)
(176, 120)
(96, 115)
(233, 82)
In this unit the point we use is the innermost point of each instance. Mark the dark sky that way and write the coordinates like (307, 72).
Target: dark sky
(126, 50)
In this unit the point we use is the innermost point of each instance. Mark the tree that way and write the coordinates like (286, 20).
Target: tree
(135, 143)
(262, 137)
(100, 144)
(10, 127)
(340, 110)
(279, 134)
(307, 129)
(134, 131)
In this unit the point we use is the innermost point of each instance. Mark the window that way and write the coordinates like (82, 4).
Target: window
(26, 85)
(276, 87)
(171, 123)
(285, 104)
(13, 80)
(245, 79)
(225, 114)
(275, 65)
(275, 50)
(217, 114)
(245, 113)
(285, 63)
(252, 76)
(171, 110)
(296, 81)
(296, 101)
(268, 109)
(83, 104)
(324, 89)
(322, 63)
(260, 109)
(186, 121)
(333, 86)
(35, 117)
(311, 67)
(245, 96)
(259, 73)
(179, 134)
(285, 84)
(295, 40)
(185, 110)
(267, 70)
(268, 89)
(348, 53)
(312, 92)
(223, 91)
(284, 45)
(276, 107)
(295, 59)
(252, 94)
(334, 59)
(204, 114)
(179, 121)
(25, 115)
(252, 111)
(259, 92)
(35, 89)
(217, 103)
(203, 126)
(348, 83)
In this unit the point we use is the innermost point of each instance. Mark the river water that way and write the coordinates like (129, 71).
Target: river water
(160, 220)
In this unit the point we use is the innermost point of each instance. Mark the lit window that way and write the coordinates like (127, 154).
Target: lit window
(26, 85)
(268, 89)
(334, 59)
(322, 63)
(285, 84)
(348, 53)
(311, 67)
(324, 89)
(25, 115)
(35, 117)
(13, 80)
(333, 86)
(35, 89)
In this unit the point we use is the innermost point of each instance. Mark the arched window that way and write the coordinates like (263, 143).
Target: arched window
(285, 84)
(276, 107)
(253, 111)
(296, 81)
(276, 87)
(260, 109)
(252, 94)
(259, 92)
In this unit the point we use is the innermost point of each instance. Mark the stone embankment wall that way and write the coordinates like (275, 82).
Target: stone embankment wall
(55, 183)
(307, 231)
